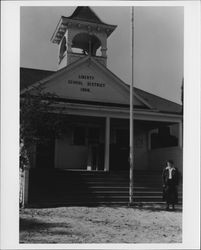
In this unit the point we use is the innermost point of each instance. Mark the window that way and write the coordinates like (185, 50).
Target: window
(163, 138)
(93, 135)
(79, 136)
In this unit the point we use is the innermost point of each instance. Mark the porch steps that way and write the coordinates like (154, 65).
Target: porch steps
(62, 187)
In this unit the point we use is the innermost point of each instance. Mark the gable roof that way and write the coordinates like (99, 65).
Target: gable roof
(28, 77)
(115, 87)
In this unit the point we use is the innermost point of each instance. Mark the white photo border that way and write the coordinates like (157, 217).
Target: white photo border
(10, 54)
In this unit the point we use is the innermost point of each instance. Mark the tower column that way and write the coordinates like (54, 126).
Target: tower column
(69, 48)
(107, 144)
(103, 50)
(104, 46)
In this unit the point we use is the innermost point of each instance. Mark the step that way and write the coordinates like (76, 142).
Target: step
(77, 187)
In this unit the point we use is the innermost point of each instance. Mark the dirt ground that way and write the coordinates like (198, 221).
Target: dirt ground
(146, 224)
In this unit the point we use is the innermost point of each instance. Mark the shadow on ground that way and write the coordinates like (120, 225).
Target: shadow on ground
(35, 225)
(157, 207)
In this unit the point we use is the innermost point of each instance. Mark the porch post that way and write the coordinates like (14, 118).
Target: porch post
(107, 144)
(25, 186)
(180, 135)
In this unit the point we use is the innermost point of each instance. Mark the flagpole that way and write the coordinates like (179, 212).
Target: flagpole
(131, 158)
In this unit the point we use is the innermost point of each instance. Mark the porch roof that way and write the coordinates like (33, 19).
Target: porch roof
(160, 103)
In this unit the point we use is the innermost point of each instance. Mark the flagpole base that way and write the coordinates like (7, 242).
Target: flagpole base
(135, 204)
(131, 204)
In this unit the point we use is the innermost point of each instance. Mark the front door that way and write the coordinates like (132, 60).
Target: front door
(119, 150)
(96, 149)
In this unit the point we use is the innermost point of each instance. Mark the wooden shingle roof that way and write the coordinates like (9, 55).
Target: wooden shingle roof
(29, 76)
(159, 103)
(84, 13)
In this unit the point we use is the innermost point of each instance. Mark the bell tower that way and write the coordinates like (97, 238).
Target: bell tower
(81, 34)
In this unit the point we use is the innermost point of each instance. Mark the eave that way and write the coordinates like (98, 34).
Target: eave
(66, 22)
(115, 112)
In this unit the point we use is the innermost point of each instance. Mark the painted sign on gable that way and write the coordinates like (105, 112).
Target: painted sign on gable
(87, 82)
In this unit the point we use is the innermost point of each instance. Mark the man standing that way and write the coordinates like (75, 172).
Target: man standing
(170, 182)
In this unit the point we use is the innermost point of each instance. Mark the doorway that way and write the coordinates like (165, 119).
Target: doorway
(95, 149)
(119, 150)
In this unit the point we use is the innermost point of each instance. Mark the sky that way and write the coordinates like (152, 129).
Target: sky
(158, 44)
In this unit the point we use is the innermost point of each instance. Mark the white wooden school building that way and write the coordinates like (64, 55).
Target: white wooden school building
(95, 107)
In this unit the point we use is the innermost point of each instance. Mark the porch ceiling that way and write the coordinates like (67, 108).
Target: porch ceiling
(152, 124)
(147, 125)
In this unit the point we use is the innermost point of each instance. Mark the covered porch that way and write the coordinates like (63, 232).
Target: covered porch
(88, 159)
(90, 143)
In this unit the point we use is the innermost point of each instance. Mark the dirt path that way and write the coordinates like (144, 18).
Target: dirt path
(149, 224)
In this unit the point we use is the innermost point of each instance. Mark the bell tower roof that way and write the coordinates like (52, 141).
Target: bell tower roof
(85, 14)
(82, 16)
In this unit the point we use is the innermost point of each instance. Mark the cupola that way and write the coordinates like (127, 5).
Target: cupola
(81, 34)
